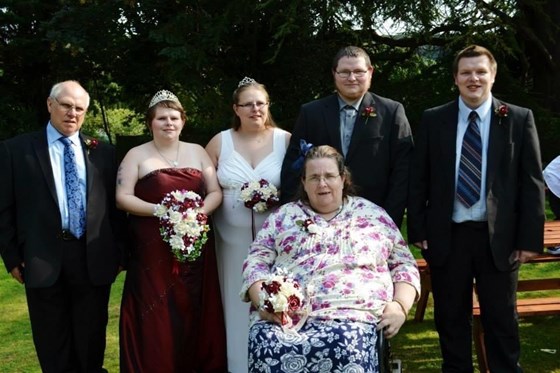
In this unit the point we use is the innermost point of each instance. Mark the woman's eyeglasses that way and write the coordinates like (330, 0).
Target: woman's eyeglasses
(249, 105)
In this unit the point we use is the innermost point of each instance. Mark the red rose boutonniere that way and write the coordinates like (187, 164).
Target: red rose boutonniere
(369, 112)
(502, 112)
(308, 226)
(91, 144)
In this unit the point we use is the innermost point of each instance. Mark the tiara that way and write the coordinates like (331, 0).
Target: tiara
(163, 95)
(246, 81)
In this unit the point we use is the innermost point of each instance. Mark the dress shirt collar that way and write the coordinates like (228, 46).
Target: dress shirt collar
(483, 110)
(53, 135)
(355, 105)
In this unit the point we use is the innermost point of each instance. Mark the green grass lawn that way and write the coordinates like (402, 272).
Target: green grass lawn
(17, 354)
(416, 345)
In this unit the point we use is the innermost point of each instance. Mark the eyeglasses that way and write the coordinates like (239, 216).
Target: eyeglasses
(316, 179)
(249, 105)
(79, 111)
(345, 74)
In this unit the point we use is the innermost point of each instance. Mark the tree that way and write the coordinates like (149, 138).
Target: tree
(201, 49)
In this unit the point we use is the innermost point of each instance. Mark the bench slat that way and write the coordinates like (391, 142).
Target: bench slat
(531, 307)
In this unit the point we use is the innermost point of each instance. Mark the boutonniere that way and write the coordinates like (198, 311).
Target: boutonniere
(91, 144)
(369, 112)
(502, 112)
(308, 225)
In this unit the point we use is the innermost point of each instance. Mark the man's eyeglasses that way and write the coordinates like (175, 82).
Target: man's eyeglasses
(316, 179)
(79, 111)
(345, 74)
(249, 105)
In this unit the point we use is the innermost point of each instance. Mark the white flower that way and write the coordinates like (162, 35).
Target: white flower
(293, 363)
(174, 217)
(182, 227)
(176, 242)
(352, 368)
(325, 366)
(313, 228)
(279, 302)
(260, 207)
(160, 211)
(179, 195)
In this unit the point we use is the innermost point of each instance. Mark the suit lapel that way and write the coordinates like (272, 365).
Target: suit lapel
(332, 119)
(89, 169)
(44, 159)
(448, 140)
(360, 124)
(496, 144)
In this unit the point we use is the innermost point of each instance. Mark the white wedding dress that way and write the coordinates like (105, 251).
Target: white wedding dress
(233, 229)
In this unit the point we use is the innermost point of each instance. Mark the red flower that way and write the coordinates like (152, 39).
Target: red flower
(272, 288)
(294, 303)
(91, 144)
(502, 112)
(369, 112)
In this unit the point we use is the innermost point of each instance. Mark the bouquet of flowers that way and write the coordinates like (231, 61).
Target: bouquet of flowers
(281, 293)
(259, 196)
(182, 225)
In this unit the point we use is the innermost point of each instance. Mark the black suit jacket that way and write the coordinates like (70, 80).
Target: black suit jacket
(378, 155)
(30, 221)
(514, 184)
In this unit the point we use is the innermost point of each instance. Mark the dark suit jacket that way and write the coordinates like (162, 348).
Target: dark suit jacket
(30, 221)
(378, 155)
(514, 184)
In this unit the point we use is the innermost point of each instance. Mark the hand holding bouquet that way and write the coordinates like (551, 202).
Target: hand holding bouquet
(281, 294)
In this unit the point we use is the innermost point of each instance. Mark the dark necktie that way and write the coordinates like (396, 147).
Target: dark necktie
(470, 166)
(76, 213)
(349, 114)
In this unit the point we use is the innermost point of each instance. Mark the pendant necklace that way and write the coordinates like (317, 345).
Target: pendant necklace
(172, 163)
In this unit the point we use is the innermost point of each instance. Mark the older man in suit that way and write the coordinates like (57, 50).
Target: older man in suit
(477, 211)
(372, 132)
(58, 232)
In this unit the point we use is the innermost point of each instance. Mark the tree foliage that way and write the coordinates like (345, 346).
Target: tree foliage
(124, 50)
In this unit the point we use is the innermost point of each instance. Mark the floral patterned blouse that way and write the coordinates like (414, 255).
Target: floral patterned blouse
(346, 266)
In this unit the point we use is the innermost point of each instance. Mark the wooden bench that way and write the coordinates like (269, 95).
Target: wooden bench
(544, 306)
(551, 239)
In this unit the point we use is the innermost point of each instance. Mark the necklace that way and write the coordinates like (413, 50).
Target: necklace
(172, 163)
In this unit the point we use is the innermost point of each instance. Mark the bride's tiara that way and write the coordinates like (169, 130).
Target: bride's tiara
(163, 95)
(246, 81)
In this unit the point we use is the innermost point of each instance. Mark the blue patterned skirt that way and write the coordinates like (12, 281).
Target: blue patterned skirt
(319, 346)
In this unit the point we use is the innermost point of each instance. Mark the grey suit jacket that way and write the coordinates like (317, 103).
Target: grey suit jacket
(30, 222)
(514, 184)
(378, 154)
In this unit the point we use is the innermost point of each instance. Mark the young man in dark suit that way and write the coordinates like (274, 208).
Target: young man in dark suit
(477, 211)
(372, 132)
(58, 232)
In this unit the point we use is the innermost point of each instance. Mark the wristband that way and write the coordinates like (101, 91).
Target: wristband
(403, 308)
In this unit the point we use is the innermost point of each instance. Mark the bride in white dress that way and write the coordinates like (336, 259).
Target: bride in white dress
(252, 150)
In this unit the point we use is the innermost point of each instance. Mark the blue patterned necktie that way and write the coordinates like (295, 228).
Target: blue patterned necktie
(74, 198)
(470, 166)
(349, 117)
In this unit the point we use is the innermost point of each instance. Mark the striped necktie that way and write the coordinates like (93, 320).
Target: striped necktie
(470, 166)
(348, 119)
(74, 198)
